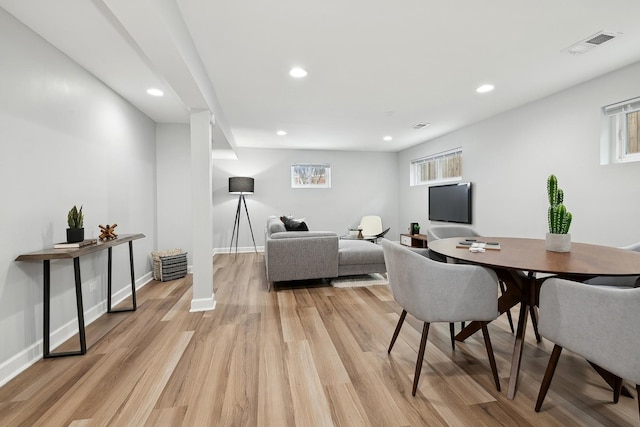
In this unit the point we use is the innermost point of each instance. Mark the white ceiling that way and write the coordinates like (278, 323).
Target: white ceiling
(376, 68)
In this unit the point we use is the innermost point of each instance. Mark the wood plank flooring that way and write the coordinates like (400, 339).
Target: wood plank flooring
(309, 355)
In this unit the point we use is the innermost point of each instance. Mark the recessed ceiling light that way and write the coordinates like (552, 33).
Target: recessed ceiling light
(155, 92)
(281, 132)
(387, 138)
(485, 88)
(298, 72)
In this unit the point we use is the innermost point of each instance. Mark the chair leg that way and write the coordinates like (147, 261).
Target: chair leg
(534, 322)
(611, 380)
(423, 344)
(638, 396)
(452, 332)
(548, 375)
(492, 359)
(509, 318)
(617, 388)
(397, 331)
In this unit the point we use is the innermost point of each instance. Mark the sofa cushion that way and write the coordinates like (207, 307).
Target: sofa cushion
(358, 252)
(292, 224)
(275, 226)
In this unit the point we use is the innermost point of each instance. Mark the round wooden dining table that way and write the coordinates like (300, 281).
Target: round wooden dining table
(518, 262)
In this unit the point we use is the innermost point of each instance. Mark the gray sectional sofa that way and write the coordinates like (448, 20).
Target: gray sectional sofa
(301, 255)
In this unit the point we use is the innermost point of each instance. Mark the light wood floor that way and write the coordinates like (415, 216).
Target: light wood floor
(307, 356)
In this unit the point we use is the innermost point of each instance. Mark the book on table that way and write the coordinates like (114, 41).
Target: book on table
(66, 245)
(480, 245)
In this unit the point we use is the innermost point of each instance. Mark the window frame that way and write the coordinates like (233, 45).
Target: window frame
(439, 159)
(616, 131)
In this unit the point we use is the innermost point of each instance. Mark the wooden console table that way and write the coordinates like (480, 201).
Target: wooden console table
(414, 240)
(46, 255)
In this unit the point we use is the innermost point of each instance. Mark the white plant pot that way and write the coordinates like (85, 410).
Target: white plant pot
(558, 242)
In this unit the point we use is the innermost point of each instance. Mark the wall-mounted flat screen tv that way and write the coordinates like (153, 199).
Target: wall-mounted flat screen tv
(450, 203)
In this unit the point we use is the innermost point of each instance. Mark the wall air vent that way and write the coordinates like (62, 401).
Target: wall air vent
(592, 41)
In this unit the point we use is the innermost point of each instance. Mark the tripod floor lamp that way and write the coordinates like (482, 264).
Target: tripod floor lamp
(241, 185)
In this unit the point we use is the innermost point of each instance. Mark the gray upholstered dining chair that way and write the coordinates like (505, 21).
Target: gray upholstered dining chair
(618, 281)
(436, 232)
(593, 322)
(433, 291)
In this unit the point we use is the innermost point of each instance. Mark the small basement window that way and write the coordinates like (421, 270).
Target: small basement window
(620, 131)
(436, 168)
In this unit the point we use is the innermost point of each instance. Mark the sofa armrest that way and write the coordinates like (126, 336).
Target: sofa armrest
(300, 255)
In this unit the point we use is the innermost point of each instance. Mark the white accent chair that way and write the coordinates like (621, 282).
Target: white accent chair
(433, 291)
(371, 226)
(597, 323)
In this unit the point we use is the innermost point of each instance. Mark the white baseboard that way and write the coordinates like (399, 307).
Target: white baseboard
(203, 304)
(241, 250)
(21, 361)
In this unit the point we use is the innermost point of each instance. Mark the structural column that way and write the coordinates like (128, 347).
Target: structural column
(202, 207)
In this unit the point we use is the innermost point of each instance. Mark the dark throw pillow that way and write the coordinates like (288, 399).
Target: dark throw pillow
(292, 224)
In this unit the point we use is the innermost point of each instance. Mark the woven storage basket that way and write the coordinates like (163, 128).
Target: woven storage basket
(169, 265)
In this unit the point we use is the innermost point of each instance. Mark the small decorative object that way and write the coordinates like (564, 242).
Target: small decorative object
(414, 228)
(558, 238)
(360, 236)
(75, 219)
(107, 233)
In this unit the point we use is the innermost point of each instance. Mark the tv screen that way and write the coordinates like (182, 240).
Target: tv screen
(450, 203)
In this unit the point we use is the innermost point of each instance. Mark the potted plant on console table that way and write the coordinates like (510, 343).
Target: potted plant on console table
(75, 219)
(558, 237)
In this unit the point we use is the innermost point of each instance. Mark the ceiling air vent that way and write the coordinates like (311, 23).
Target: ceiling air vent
(419, 126)
(592, 41)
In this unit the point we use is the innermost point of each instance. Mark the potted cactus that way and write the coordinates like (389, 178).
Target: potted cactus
(75, 219)
(559, 219)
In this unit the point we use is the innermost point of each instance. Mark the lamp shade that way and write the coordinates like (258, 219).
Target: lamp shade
(240, 185)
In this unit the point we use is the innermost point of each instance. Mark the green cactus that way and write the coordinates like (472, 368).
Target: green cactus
(552, 190)
(558, 217)
(75, 218)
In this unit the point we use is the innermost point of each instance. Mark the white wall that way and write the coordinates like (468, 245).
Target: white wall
(66, 139)
(173, 158)
(362, 183)
(509, 157)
